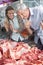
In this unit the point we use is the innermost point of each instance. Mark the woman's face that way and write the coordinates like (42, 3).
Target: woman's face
(10, 14)
(23, 13)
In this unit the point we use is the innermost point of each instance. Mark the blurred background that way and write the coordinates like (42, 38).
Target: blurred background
(28, 2)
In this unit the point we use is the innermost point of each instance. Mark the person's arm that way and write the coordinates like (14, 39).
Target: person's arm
(9, 27)
(12, 29)
(27, 25)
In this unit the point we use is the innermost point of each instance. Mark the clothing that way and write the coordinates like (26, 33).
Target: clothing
(35, 19)
(39, 45)
(15, 35)
(40, 34)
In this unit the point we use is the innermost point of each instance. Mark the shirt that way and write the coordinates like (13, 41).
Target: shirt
(36, 16)
(40, 34)
(15, 36)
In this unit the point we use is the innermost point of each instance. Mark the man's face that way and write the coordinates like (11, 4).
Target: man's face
(23, 13)
(10, 14)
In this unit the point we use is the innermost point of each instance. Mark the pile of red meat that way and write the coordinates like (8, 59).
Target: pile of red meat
(13, 53)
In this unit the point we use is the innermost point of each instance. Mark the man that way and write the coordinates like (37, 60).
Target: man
(36, 16)
(23, 19)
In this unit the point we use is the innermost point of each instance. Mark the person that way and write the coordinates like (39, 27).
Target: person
(23, 18)
(40, 34)
(11, 25)
(35, 16)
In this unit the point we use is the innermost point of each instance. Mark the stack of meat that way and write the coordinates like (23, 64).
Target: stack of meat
(13, 53)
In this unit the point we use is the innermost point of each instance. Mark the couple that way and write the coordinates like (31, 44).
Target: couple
(18, 25)
(26, 18)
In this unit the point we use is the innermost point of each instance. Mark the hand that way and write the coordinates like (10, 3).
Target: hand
(12, 29)
(30, 31)
(19, 13)
(27, 24)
